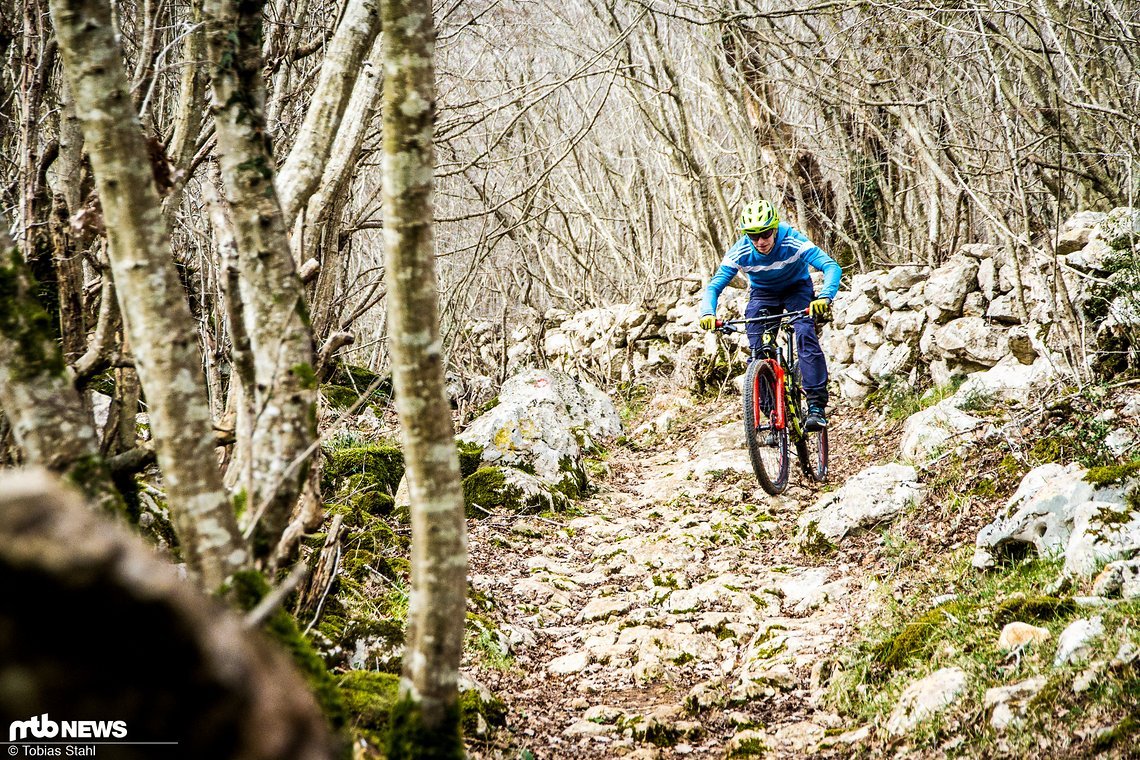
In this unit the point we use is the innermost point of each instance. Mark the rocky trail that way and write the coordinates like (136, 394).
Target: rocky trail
(675, 615)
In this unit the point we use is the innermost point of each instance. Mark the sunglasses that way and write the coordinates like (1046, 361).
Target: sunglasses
(754, 236)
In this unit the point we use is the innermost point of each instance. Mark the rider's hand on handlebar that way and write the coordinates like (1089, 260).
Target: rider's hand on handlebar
(820, 309)
(708, 322)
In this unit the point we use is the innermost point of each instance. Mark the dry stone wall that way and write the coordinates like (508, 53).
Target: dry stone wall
(983, 306)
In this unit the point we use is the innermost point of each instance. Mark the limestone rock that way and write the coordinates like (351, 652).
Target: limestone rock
(904, 326)
(545, 420)
(1102, 531)
(1008, 380)
(948, 285)
(1119, 578)
(925, 698)
(972, 339)
(1076, 640)
(987, 279)
(904, 277)
(891, 360)
(869, 497)
(928, 431)
(1040, 513)
(974, 305)
(1010, 703)
(575, 662)
(1016, 634)
(1120, 228)
(1094, 257)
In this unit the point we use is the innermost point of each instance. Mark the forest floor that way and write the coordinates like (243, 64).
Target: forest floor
(674, 614)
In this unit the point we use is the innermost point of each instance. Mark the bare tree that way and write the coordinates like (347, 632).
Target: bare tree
(150, 295)
(425, 722)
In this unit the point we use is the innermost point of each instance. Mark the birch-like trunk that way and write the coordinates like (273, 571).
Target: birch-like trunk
(276, 314)
(342, 63)
(151, 298)
(48, 419)
(425, 720)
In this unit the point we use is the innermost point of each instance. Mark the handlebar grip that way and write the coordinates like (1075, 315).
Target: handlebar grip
(720, 323)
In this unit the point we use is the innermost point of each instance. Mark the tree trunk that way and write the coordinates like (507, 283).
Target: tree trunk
(302, 169)
(45, 412)
(151, 297)
(276, 315)
(425, 721)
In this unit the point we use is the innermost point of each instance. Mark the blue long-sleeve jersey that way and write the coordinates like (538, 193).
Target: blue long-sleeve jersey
(786, 264)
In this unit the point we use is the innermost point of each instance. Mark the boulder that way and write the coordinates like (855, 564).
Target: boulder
(926, 432)
(948, 285)
(1083, 220)
(854, 384)
(1007, 278)
(980, 251)
(1003, 309)
(1009, 704)
(1102, 531)
(1008, 380)
(859, 310)
(904, 277)
(987, 279)
(1041, 513)
(904, 326)
(1021, 344)
(891, 360)
(1076, 640)
(1016, 635)
(838, 345)
(925, 698)
(1119, 578)
(1094, 257)
(1072, 240)
(545, 421)
(972, 339)
(974, 305)
(874, 495)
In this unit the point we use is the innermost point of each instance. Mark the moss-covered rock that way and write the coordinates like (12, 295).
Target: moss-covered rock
(894, 652)
(1032, 609)
(470, 458)
(1113, 475)
(381, 465)
(490, 488)
(359, 378)
(373, 704)
(338, 396)
(368, 697)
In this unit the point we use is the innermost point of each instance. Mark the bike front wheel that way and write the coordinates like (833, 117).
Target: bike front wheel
(767, 444)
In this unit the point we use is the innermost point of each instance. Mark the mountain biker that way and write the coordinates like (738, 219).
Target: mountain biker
(776, 257)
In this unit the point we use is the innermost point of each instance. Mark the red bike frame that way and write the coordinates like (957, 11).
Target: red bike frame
(781, 420)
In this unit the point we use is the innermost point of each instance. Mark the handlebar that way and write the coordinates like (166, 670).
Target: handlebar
(729, 325)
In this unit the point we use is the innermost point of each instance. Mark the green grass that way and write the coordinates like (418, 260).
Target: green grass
(900, 399)
(908, 640)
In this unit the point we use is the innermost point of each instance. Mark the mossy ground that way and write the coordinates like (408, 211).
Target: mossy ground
(910, 640)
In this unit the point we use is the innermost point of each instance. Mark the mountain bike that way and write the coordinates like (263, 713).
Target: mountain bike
(775, 407)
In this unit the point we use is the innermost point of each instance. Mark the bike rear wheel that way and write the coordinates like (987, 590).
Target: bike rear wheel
(767, 445)
(812, 450)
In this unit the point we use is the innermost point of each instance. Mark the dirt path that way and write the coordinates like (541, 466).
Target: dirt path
(675, 616)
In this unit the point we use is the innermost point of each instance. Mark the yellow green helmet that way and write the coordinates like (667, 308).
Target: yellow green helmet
(759, 216)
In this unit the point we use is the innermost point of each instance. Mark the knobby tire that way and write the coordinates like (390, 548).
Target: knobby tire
(770, 463)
